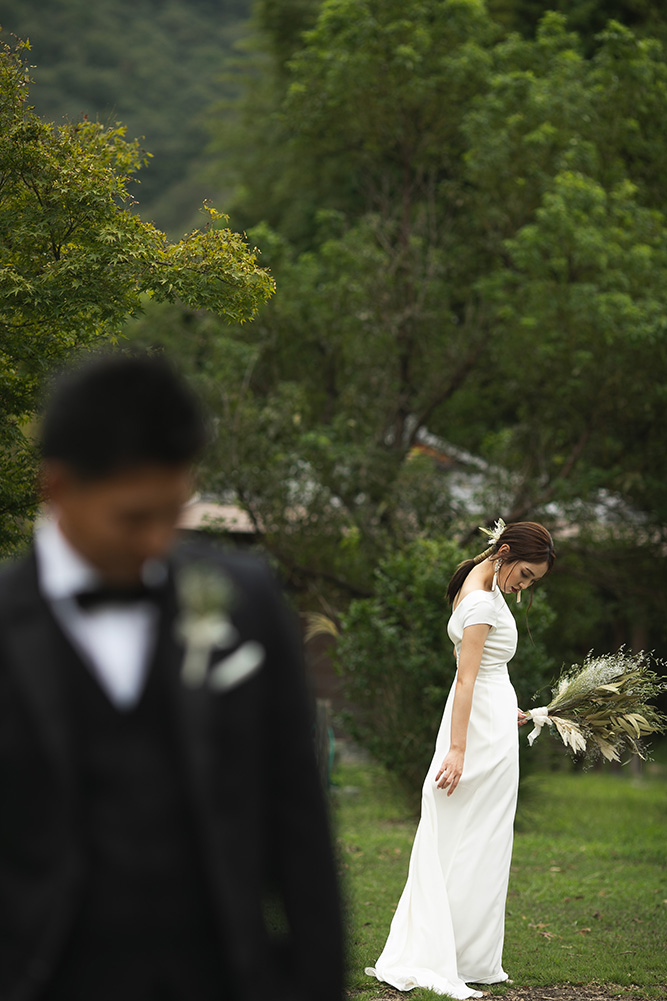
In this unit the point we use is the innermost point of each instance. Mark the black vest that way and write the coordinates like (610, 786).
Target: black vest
(145, 902)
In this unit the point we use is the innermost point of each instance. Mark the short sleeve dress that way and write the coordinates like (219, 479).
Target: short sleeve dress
(448, 929)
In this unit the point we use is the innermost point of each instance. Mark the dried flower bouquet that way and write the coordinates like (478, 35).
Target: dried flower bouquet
(604, 707)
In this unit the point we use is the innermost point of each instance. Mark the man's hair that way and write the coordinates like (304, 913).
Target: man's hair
(118, 412)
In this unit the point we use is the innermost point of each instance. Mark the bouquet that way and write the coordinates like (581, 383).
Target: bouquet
(604, 706)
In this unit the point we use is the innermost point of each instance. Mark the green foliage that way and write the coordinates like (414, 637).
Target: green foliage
(396, 659)
(478, 249)
(75, 261)
(302, 438)
(567, 167)
(283, 22)
(586, 17)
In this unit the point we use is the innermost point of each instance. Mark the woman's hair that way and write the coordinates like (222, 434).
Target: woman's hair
(527, 540)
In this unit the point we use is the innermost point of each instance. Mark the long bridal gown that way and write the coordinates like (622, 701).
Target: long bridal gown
(448, 928)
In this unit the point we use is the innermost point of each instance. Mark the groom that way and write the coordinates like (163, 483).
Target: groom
(162, 831)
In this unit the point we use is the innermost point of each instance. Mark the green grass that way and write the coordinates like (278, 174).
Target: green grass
(588, 891)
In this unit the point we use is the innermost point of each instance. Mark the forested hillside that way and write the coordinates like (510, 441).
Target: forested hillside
(153, 65)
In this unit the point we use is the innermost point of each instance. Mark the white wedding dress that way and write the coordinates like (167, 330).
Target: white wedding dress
(448, 928)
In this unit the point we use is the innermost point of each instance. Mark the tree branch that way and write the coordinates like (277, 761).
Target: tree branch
(521, 508)
(523, 505)
(455, 383)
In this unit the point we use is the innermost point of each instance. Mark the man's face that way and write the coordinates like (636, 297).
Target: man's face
(119, 522)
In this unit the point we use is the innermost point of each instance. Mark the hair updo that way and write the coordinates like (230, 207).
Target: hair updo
(527, 541)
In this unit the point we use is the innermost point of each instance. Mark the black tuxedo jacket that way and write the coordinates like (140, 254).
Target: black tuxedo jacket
(254, 787)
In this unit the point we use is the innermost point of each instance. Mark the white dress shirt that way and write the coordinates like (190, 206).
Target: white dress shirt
(115, 642)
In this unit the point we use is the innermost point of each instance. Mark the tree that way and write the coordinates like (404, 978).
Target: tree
(75, 261)
(480, 253)
(569, 192)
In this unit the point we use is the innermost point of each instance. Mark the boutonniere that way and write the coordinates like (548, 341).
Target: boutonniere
(206, 597)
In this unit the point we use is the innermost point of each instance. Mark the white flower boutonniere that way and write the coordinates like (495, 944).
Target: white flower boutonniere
(206, 596)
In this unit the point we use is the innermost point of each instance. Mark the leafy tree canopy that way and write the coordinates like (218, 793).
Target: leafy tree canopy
(586, 17)
(468, 231)
(75, 261)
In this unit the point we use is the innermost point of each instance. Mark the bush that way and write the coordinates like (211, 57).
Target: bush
(396, 659)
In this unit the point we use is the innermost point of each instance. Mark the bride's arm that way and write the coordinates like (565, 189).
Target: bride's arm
(472, 647)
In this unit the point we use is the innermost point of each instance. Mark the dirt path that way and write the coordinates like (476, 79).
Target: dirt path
(569, 992)
(563, 992)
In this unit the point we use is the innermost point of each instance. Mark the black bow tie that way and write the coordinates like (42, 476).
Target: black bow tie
(105, 594)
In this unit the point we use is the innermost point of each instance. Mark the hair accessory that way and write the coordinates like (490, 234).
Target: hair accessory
(495, 532)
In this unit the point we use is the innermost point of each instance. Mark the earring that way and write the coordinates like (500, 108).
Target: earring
(518, 597)
(496, 568)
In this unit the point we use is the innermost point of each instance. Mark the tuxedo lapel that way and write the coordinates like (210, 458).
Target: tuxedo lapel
(206, 720)
(34, 642)
(210, 729)
(189, 705)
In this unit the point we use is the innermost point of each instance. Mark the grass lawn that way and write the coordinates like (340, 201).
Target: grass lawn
(588, 892)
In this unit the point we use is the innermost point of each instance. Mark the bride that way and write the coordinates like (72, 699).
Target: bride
(448, 928)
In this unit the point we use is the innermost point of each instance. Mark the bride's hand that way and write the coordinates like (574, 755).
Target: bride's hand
(523, 718)
(450, 771)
